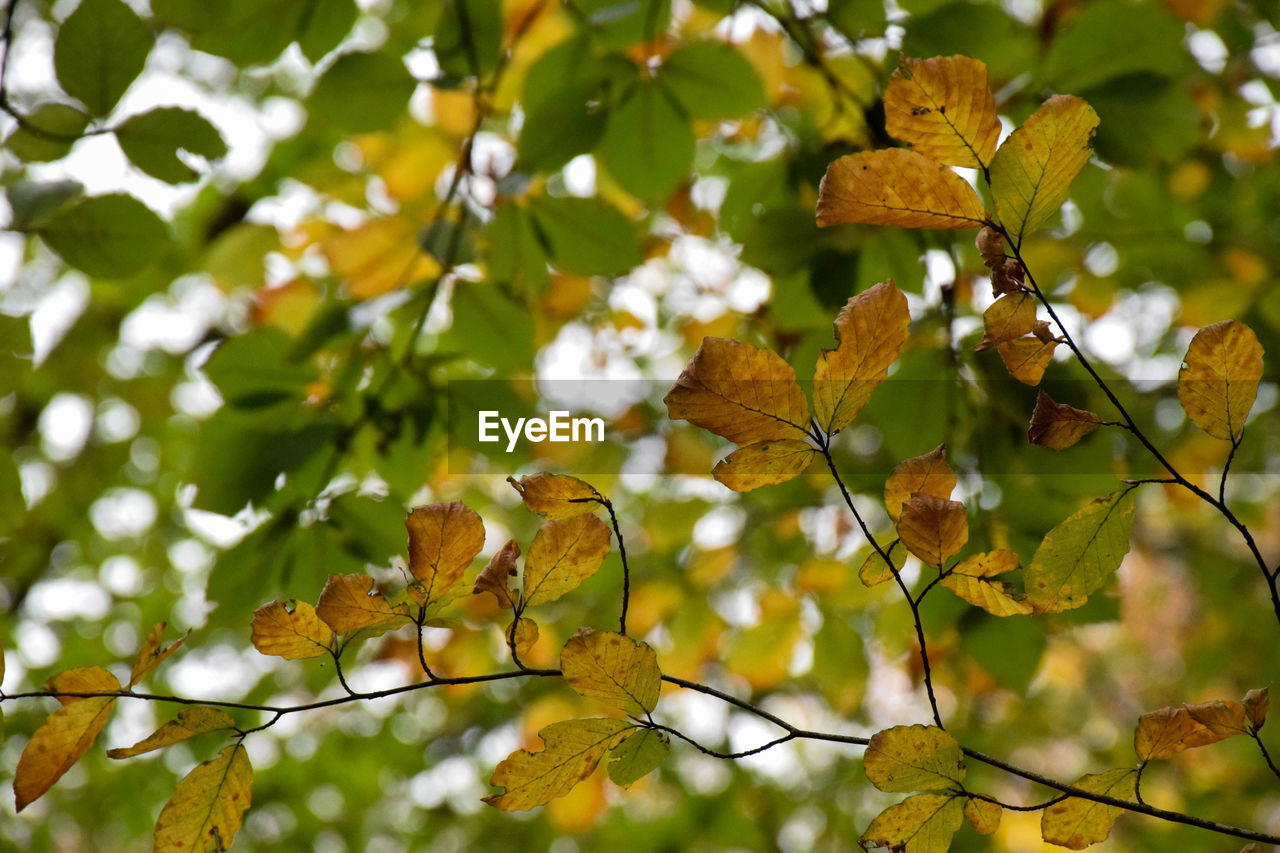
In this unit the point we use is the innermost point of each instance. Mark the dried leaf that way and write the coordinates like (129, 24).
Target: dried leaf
(1026, 358)
(292, 635)
(971, 581)
(638, 754)
(990, 245)
(207, 808)
(1077, 823)
(870, 332)
(920, 824)
(1032, 172)
(564, 553)
(1059, 426)
(896, 187)
(933, 528)
(191, 722)
(65, 736)
(1255, 705)
(1222, 718)
(943, 108)
(348, 603)
(612, 668)
(983, 816)
(151, 655)
(1166, 732)
(556, 495)
(443, 540)
(1080, 554)
(571, 751)
(914, 758)
(928, 474)
(764, 463)
(1008, 318)
(496, 576)
(740, 393)
(1219, 378)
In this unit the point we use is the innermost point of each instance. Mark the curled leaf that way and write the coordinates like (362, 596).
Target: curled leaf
(497, 575)
(1166, 732)
(933, 528)
(1255, 705)
(896, 187)
(1059, 426)
(189, 723)
(971, 581)
(870, 332)
(151, 655)
(1008, 318)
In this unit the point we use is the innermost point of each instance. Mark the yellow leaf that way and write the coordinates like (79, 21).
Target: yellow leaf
(612, 668)
(1026, 358)
(1255, 705)
(928, 474)
(970, 581)
(1032, 172)
(1058, 426)
(639, 753)
(292, 635)
(933, 528)
(1009, 317)
(151, 655)
(762, 654)
(1080, 554)
(496, 576)
(1222, 718)
(556, 495)
(764, 463)
(564, 553)
(378, 256)
(190, 723)
(571, 751)
(65, 736)
(523, 633)
(870, 332)
(81, 679)
(348, 603)
(740, 393)
(876, 571)
(896, 187)
(983, 815)
(1166, 732)
(943, 108)
(1077, 823)
(443, 540)
(207, 808)
(1219, 378)
(920, 824)
(913, 758)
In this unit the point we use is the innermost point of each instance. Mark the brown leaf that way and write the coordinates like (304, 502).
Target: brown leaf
(443, 540)
(348, 603)
(496, 576)
(1077, 823)
(189, 723)
(556, 495)
(207, 808)
(1255, 705)
(740, 393)
(1026, 358)
(65, 736)
(571, 751)
(1226, 719)
(764, 463)
(933, 528)
(896, 187)
(983, 815)
(1009, 317)
(612, 668)
(564, 553)
(971, 580)
(1057, 425)
(928, 474)
(870, 332)
(943, 108)
(1219, 378)
(1166, 732)
(292, 635)
(151, 655)
(990, 245)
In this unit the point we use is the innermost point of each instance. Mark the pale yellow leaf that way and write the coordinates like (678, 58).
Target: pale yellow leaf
(943, 108)
(292, 634)
(348, 603)
(571, 751)
(443, 540)
(1059, 426)
(876, 571)
(896, 187)
(612, 668)
(920, 824)
(913, 758)
(1077, 823)
(1026, 358)
(764, 463)
(933, 528)
(207, 808)
(523, 634)
(870, 332)
(189, 723)
(151, 655)
(1219, 378)
(496, 577)
(564, 553)
(971, 581)
(928, 474)
(556, 495)
(81, 679)
(1008, 318)
(983, 815)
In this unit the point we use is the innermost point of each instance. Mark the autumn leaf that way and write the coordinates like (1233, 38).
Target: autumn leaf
(1059, 426)
(81, 679)
(1078, 555)
(291, 634)
(348, 603)
(983, 815)
(636, 755)
(764, 463)
(564, 553)
(1008, 318)
(571, 751)
(556, 495)
(65, 736)
(971, 580)
(612, 668)
(1255, 705)
(189, 723)
(943, 108)
(913, 758)
(1032, 172)
(1077, 823)
(740, 393)
(933, 528)
(928, 474)
(920, 824)
(870, 332)
(1026, 358)
(876, 571)
(1219, 378)
(896, 187)
(1227, 719)
(207, 808)
(443, 540)
(496, 576)
(1166, 732)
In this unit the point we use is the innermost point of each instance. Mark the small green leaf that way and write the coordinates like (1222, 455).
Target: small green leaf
(325, 24)
(648, 145)
(711, 79)
(587, 236)
(152, 141)
(99, 51)
(33, 202)
(108, 236)
(468, 40)
(362, 92)
(639, 753)
(251, 371)
(53, 129)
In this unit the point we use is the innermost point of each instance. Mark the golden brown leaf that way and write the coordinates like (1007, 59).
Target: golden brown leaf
(920, 824)
(556, 495)
(943, 108)
(1255, 705)
(740, 393)
(571, 751)
(523, 634)
(151, 655)
(496, 576)
(983, 816)
(870, 332)
(896, 187)
(564, 553)
(933, 528)
(292, 635)
(1057, 425)
(1166, 732)
(1219, 378)
(443, 540)
(1222, 718)
(1008, 318)
(81, 679)
(189, 723)
(612, 668)
(990, 245)
(1077, 823)
(65, 736)
(928, 474)
(764, 463)
(1032, 172)
(207, 808)
(971, 580)
(348, 603)
(913, 758)
(1026, 358)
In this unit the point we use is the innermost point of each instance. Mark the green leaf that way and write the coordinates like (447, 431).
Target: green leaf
(710, 79)
(587, 236)
(237, 463)
(33, 202)
(325, 23)
(108, 236)
(62, 123)
(1098, 45)
(920, 824)
(914, 758)
(640, 752)
(152, 141)
(1080, 554)
(516, 253)
(621, 23)
(362, 92)
(468, 40)
(251, 370)
(648, 146)
(99, 51)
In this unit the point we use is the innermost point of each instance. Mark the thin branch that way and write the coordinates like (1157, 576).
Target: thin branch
(626, 571)
(1266, 756)
(1013, 808)
(790, 736)
(422, 656)
(1137, 784)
